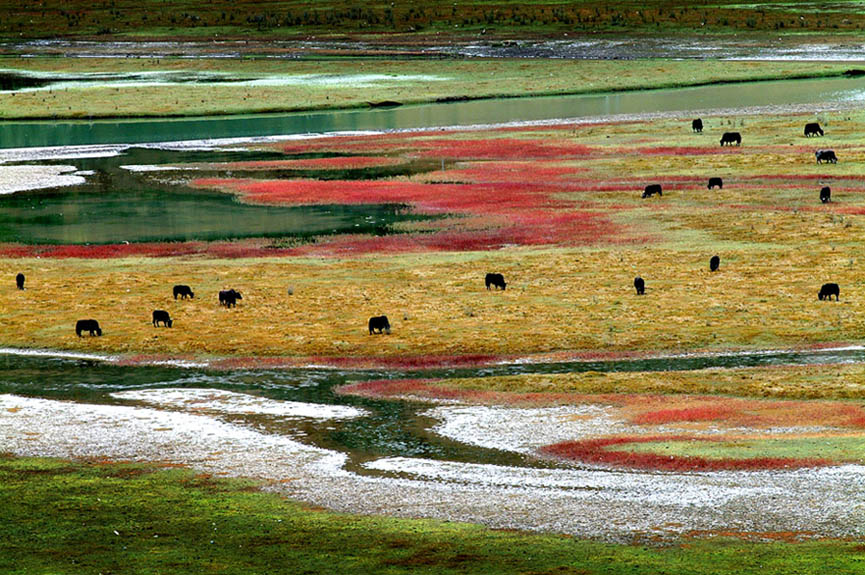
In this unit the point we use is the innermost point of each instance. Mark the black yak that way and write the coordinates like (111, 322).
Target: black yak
(183, 291)
(229, 298)
(90, 325)
(160, 315)
(826, 156)
(714, 263)
(730, 138)
(827, 291)
(497, 280)
(379, 323)
(813, 129)
(651, 190)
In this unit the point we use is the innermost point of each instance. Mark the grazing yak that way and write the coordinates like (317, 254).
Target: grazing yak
(379, 323)
(813, 129)
(825, 194)
(640, 285)
(651, 190)
(19, 281)
(160, 315)
(826, 156)
(697, 126)
(730, 138)
(497, 280)
(183, 291)
(827, 291)
(714, 263)
(229, 298)
(716, 183)
(90, 325)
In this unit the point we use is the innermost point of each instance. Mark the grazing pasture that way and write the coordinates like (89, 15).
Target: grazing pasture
(552, 208)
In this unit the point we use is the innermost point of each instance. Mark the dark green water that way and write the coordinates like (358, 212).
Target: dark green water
(117, 205)
(393, 428)
(777, 93)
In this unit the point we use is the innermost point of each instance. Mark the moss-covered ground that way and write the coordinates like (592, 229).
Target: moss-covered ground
(73, 517)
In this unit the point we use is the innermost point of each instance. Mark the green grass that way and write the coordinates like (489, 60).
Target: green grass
(476, 78)
(69, 517)
(848, 449)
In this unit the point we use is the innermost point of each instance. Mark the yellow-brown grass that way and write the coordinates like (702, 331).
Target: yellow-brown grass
(558, 299)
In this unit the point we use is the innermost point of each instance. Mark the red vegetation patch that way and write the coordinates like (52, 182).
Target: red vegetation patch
(500, 149)
(513, 213)
(596, 451)
(713, 412)
(236, 249)
(339, 163)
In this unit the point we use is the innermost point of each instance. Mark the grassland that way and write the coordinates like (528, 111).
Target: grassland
(121, 518)
(308, 84)
(292, 18)
(569, 246)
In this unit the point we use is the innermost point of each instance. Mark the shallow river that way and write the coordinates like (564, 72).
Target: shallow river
(391, 428)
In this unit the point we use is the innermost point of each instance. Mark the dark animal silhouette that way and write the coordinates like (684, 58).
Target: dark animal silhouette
(651, 190)
(716, 182)
(825, 194)
(183, 291)
(379, 323)
(714, 263)
(160, 315)
(497, 280)
(697, 125)
(813, 129)
(640, 285)
(19, 281)
(826, 156)
(827, 291)
(90, 325)
(730, 138)
(229, 298)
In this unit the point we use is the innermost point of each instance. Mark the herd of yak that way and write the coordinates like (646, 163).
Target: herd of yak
(812, 129)
(380, 324)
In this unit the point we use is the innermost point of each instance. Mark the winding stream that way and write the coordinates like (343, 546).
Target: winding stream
(392, 428)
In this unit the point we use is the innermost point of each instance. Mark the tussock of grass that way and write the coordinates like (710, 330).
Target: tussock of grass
(132, 519)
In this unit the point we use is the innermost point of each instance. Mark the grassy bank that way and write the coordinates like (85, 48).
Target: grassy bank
(344, 83)
(113, 518)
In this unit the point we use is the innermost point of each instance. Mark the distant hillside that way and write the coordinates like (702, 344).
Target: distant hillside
(294, 18)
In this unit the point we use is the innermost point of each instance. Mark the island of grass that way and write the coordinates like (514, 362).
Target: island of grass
(90, 88)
